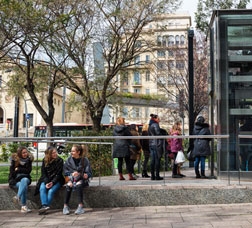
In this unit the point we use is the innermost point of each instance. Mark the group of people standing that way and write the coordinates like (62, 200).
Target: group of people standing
(154, 148)
(74, 172)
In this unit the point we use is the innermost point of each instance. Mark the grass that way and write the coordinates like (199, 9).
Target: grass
(4, 174)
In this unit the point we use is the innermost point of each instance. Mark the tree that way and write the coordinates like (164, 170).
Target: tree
(51, 43)
(206, 7)
(175, 79)
(113, 29)
(24, 32)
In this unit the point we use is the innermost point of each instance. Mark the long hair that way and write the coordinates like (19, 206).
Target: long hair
(18, 155)
(48, 155)
(83, 149)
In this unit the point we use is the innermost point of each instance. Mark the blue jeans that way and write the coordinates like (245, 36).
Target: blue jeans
(201, 160)
(155, 161)
(22, 187)
(46, 195)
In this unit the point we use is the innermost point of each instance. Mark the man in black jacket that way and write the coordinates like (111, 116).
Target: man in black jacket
(156, 153)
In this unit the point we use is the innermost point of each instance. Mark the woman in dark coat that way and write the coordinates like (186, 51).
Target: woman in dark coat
(201, 147)
(146, 150)
(121, 148)
(51, 178)
(19, 176)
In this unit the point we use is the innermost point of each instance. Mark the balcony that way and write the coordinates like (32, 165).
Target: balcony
(137, 84)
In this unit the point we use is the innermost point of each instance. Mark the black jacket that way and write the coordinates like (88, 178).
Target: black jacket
(23, 170)
(51, 173)
(121, 146)
(201, 146)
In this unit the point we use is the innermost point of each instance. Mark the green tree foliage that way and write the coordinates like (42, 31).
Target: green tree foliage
(61, 35)
(205, 9)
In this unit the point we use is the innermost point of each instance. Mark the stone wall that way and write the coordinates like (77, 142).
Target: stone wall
(137, 196)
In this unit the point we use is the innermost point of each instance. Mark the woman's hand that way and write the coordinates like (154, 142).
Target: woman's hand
(85, 176)
(49, 185)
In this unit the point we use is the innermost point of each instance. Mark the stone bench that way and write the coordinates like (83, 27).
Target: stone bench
(136, 196)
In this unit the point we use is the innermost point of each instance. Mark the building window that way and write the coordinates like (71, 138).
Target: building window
(125, 90)
(137, 78)
(136, 112)
(147, 76)
(125, 79)
(125, 112)
(164, 40)
(177, 40)
(161, 65)
(147, 91)
(160, 53)
(138, 44)
(170, 41)
(182, 40)
(159, 40)
(30, 120)
(180, 65)
(137, 60)
(137, 90)
(170, 52)
(171, 64)
(147, 58)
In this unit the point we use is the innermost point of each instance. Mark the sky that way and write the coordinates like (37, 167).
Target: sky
(191, 7)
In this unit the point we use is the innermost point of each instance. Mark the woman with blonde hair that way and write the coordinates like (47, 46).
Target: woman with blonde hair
(176, 145)
(51, 178)
(121, 148)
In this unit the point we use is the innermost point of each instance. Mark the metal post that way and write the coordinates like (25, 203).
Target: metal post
(16, 117)
(63, 104)
(191, 86)
(26, 119)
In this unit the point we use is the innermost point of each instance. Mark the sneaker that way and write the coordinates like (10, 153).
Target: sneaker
(66, 210)
(43, 209)
(16, 199)
(79, 210)
(25, 209)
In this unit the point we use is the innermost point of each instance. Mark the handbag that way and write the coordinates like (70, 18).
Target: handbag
(180, 157)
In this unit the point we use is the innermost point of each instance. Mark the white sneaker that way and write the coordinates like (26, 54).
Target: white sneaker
(79, 210)
(25, 209)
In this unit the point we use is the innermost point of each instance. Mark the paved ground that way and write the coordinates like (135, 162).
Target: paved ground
(197, 216)
(184, 216)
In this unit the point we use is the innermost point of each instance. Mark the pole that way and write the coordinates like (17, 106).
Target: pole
(16, 117)
(63, 105)
(26, 119)
(191, 87)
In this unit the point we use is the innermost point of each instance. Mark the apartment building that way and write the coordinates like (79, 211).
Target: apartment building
(22, 108)
(154, 71)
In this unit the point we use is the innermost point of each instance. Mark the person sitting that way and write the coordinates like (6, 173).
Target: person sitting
(77, 166)
(19, 176)
(51, 179)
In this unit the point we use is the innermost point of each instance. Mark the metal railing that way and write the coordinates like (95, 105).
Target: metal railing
(98, 140)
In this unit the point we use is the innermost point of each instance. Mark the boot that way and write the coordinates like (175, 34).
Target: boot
(197, 174)
(158, 177)
(131, 177)
(203, 174)
(121, 177)
(145, 174)
(153, 177)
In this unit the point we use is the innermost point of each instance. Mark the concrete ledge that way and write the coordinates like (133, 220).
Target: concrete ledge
(138, 196)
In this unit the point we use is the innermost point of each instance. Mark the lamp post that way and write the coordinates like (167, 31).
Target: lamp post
(191, 86)
(26, 119)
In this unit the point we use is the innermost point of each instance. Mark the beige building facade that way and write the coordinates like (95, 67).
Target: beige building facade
(12, 108)
(151, 72)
